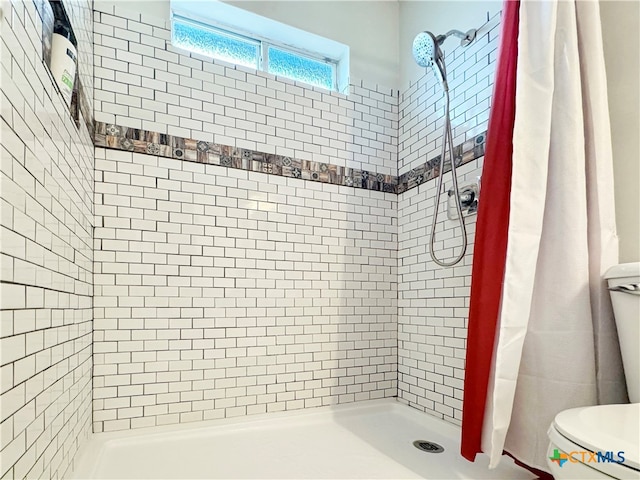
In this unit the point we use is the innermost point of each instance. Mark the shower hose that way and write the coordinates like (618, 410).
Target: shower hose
(447, 139)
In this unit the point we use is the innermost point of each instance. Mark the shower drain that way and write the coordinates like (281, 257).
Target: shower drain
(427, 446)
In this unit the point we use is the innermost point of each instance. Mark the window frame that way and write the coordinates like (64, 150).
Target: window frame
(263, 50)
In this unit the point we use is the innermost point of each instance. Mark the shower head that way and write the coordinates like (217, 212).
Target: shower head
(426, 48)
(427, 53)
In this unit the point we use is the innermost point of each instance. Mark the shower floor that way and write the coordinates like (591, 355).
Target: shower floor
(371, 439)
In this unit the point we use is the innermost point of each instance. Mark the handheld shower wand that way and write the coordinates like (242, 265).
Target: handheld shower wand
(427, 53)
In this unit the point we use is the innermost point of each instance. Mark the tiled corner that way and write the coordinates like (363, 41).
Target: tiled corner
(226, 194)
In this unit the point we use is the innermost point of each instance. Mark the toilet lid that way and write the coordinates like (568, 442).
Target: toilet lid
(604, 428)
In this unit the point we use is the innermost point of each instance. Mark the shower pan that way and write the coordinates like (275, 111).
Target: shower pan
(367, 440)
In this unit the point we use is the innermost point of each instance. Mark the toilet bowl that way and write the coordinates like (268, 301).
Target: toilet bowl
(603, 441)
(598, 442)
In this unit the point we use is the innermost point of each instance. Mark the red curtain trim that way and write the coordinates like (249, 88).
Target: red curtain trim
(492, 226)
(542, 475)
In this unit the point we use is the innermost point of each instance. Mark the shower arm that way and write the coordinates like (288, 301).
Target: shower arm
(465, 38)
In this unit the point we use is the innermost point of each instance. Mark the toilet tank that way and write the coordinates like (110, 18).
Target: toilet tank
(624, 287)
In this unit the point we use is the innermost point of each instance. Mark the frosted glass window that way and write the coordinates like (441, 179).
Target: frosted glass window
(216, 43)
(298, 55)
(297, 67)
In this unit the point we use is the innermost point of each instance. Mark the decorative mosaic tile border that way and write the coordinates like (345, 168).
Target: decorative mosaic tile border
(462, 154)
(180, 148)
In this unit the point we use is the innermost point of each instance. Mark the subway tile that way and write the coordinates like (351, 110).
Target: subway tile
(47, 314)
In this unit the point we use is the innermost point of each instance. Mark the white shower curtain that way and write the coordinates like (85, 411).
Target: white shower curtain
(556, 345)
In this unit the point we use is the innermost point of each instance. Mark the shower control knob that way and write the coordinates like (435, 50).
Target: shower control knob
(468, 198)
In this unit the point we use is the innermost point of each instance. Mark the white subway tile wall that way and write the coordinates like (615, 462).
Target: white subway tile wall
(47, 253)
(143, 82)
(433, 301)
(222, 292)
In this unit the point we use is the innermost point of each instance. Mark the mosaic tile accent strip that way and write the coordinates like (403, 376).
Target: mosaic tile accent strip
(141, 141)
(153, 143)
(462, 154)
